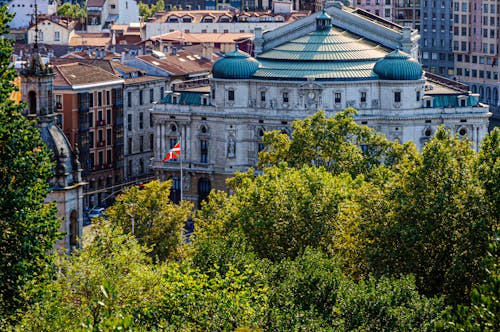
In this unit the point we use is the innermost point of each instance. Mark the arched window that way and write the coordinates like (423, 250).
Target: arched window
(204, 188)
(32, 102)
(73, 230)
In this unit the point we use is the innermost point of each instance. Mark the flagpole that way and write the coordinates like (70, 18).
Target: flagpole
(180, 157)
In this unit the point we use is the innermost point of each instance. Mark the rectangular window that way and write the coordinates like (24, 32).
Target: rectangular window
(91, 160)
(99, 98)
(129, 99)
(129, 170)
(108, 116)
(129, 122)
(141, 120)
(363, 97)
(418, 96)
(173, 142)
(204, 151)
(230, 95)
(100, 138)
(141, 143)
(262, 96)
(108, 136)
(285, 97)
(397, 96)
(91, 119)
(108, 97)
(151, 124)
(162, 91)
(108, 157)
(91, 139)
(99, 116)
(151, 142)
(100, 158)
(338, 97)
(141, 101)
(91, 99)
(151, 95)
(57, 36)
(129, 145)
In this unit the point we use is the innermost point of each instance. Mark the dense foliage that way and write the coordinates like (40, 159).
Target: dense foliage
(28, 228)
(147, 11)
(72, 10)
(157, 222)
(339, 230)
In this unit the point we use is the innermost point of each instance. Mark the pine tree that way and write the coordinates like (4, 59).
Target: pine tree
(28, 228)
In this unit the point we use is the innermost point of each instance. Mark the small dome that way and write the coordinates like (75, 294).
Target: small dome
(398, 65)
(235, 64)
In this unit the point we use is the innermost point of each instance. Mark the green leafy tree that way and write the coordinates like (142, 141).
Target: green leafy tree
(432, 220)
(280, 212)
(71, 11)
(488, 169)
(28, 228)
(147, 11)
(339, 144)
(158, 223)
(483, 314)
(112, 284)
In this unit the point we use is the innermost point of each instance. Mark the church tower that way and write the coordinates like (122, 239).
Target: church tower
(66, 185)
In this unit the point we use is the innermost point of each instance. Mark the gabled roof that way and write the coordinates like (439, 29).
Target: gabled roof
(66, 24)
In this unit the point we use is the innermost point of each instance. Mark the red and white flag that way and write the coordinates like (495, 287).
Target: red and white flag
(174, 152)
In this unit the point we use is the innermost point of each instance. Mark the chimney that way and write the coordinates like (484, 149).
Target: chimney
(207, 51)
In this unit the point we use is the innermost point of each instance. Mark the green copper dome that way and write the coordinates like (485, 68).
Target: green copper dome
(235, 64)
(398, 65)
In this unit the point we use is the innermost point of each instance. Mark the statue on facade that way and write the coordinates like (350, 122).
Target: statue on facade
(231, 147)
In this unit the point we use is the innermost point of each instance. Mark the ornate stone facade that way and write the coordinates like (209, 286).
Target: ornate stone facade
(221, 128)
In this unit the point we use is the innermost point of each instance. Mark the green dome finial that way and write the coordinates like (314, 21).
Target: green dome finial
(398, 65)
(235, 64)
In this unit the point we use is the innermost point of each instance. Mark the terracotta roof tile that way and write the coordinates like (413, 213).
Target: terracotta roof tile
(79, 74)
(181, 63)
(90, 39)
(195, 38)
(95, 3)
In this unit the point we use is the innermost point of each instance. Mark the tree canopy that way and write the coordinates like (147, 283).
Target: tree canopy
(28, 227)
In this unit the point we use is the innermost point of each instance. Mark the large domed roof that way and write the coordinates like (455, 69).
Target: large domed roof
(398, 65)
(235, 64)
(329, 54)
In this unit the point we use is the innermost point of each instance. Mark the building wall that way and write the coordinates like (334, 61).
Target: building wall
(50, 33)
(155, 28)
(139, 138)
(437, 31)
(475, 47)
(244, 120)
(24, 10)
